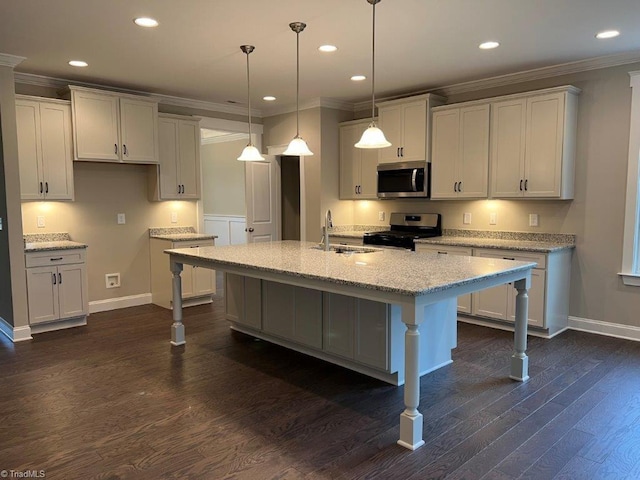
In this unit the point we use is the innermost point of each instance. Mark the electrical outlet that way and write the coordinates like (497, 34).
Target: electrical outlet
(174, 217)
(381, 216)
(533, 219)
(121, 219)
(493, 218)
(40, 221)
(466, 218)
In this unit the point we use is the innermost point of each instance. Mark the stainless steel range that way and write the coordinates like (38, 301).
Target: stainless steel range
(404, 228)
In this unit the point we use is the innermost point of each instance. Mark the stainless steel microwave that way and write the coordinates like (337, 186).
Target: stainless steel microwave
(400, 180)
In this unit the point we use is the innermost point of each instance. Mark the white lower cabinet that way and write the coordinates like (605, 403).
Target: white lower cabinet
(464, 301)
(198, 284)
(291, 312)
(56, 285)
(243, 300)
(357, 329)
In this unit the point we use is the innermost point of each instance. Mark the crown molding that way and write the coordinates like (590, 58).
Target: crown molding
(60, 83)
(313, 103)
(7, 60)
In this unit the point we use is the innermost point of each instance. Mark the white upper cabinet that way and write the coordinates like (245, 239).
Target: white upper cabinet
(177, 177)
(405, 123)
(44, 148)
(533, 144)
(460, 152)
(108, 127)
(358, 166)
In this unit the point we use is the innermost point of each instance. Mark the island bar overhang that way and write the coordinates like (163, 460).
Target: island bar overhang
(440, 279)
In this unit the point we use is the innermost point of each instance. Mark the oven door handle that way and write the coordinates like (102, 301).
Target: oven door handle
(413, 180)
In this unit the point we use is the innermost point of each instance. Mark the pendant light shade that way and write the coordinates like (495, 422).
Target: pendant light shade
(298, 147)
(250, 153)
(373, 136)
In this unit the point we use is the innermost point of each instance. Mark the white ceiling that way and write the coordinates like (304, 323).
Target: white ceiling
(195, 54)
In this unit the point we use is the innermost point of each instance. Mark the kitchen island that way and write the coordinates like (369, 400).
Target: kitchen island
(419, 285)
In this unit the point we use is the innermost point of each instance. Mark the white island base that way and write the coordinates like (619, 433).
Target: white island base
(421, 286)
(362, 335)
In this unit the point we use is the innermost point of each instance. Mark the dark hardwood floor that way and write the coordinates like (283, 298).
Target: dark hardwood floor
(114, 400)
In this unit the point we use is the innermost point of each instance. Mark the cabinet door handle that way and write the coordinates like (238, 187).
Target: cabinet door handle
(54, 278)
(398, 152)
(455, 187)
(55, 259)
(402, 151)
(459, 186)
(443, 253)
(182, 188)
(124, 149)
(40, 187)
(115, 148)
(46, 187)
(178, 188)
(60, 278)
(250, 229)
(520, 184)
(526, 185)
(508, 258)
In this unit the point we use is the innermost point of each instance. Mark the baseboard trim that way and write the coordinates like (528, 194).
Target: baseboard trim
(15, 334)
(119, 302)
(59, 325)
(599, 327)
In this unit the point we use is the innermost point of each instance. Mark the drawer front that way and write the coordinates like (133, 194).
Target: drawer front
(193, 243)
(54, 257)
(444, 249)
(539, 258)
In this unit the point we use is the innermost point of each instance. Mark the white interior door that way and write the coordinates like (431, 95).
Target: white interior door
(261, 197)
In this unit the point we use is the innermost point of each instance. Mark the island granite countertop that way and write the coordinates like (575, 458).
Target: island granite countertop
(42, 242)
(390, 270)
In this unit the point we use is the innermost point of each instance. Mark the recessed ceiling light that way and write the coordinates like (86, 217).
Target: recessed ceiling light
(146, 22)
(358, 78)
(78, 63)
(327, 48)
(607, 34)
(489, 45)
(269, 98)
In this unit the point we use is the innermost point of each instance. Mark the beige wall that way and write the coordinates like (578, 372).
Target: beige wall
(102, 190)
(223, 178)
(596, 213)
(13, 280)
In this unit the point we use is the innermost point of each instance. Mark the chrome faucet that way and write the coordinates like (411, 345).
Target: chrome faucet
(325, 233)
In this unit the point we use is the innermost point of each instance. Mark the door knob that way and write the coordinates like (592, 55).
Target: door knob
(250, 229)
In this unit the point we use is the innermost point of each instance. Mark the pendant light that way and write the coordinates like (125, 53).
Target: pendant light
(373, 136)
(298, 147)
(250, 153)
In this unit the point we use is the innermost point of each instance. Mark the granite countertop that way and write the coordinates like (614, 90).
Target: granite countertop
(42, 242)
(179, 234)
(354, 231)
(399, 271)
(523, 241)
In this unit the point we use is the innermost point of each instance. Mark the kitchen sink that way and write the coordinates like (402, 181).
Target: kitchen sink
(347, 249)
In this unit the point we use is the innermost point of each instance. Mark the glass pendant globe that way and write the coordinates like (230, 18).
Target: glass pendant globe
(250, 154)
(372, 137)
(298, 148)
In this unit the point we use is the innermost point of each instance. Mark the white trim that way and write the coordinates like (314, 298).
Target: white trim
(631, 242)
(230, 125)
(15, 334)
(120, 302)
(617, 330)
(630, 279)
(60, 325)
(62, 83)
(12, 61)
(231, 137)
(313, 103)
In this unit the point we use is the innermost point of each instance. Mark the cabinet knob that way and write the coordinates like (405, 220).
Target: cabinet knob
(250, 229)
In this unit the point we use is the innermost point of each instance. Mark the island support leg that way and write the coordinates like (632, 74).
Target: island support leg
(411, 419)
(519, 359)
(177, 329)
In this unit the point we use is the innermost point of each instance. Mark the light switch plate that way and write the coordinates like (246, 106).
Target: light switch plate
(40, 221)
(121, 219)
(381, 216)
(174, 217)
(493, 218)
(466, 218)
(533, 219)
